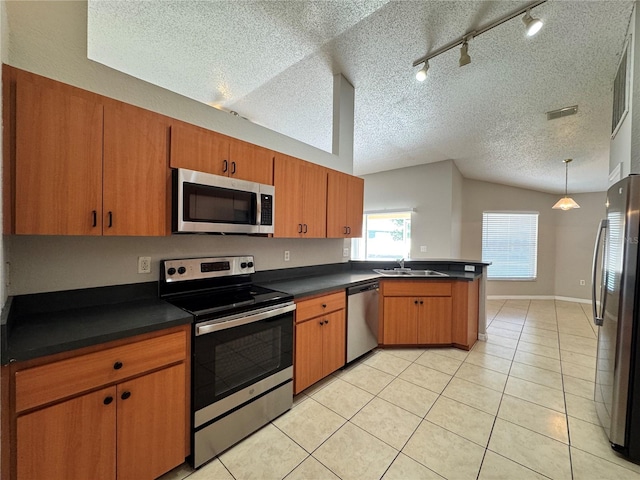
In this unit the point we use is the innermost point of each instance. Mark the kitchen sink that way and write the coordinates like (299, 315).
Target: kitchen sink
(407, 272)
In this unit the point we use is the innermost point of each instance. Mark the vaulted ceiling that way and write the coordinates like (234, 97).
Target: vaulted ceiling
(273, 63)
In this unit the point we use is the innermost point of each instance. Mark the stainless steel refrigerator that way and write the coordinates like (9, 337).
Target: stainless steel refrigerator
(617, 314)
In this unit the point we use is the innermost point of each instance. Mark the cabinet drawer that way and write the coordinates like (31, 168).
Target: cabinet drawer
(313, 307)
(47, 383)
(430, 288)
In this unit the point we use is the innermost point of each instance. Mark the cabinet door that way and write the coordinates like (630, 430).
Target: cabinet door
(308, 366)
(75, 439)
(58, 161)
(151, 424)
(337, 185)
(434, 320)
(334, 347)
(251, 162)
(355, 206)
(400, 320)
(314, 201)
(287, 178)
(199, 149)
(136, 172)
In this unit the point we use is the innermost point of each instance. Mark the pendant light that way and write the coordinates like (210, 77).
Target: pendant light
(566, 203)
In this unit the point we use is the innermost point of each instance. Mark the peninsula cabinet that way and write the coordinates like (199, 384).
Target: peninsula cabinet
(320, 338)
(344, 205)
(416, 312)
(81, 164)
(118, 412)
(203, 150)
(301, 198)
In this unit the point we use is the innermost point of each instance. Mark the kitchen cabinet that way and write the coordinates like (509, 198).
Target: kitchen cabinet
(320, 338)
(417, 312)
(82, 164)
(203, 150)
(301, 198)
(114, 412)
(345, 194)
(465, 313)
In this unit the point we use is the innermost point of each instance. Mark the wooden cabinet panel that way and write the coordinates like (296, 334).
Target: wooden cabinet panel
(198, 149)
(465, 313)
(334, 348)
(136, 172)
(75, 439)
(151, 424)
(308, 353)
(434, 320)
(58, 185)
(320, 305)
(250, 162)
(400, 321)
(301, 205)
(344, 205)
(429, 288)
(53, 381)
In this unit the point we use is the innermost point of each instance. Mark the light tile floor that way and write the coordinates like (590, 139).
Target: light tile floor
(518, 406)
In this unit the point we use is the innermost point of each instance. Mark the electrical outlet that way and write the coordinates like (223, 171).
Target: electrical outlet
(582, 283)
(144, 264)
(345, 252)
(287, 256)
(469, 268)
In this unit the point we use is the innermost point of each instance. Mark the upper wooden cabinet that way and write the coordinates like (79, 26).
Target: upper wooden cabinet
(203, 150)
(301, 198)
(344, 205)
(81, 164)
(58, 160)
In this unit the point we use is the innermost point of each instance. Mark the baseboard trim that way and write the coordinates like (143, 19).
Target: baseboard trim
(538, 297)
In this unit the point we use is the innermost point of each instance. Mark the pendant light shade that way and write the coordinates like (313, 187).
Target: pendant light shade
(566, 202)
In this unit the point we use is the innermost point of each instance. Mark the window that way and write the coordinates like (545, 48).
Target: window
(387, 236)
(510, 243)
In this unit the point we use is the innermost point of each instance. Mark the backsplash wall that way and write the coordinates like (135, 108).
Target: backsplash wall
(51, 263)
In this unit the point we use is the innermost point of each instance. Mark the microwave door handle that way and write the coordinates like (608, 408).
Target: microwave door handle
(257, 207)
(598, 316)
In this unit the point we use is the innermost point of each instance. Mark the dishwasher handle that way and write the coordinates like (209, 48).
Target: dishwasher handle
(362, 288)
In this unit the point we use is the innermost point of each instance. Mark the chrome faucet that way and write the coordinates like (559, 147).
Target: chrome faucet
(401, 262)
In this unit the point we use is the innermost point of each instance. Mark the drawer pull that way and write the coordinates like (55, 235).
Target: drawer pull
(324, 305)
(326, 321)
(321, 322)
(117, 365)
(125, 395)
(108, 400)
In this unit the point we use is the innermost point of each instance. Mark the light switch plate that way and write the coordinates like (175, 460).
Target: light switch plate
(345, 252)
(423, 248)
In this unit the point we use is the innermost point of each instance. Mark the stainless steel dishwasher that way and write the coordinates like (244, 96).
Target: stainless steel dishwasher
(362, 319)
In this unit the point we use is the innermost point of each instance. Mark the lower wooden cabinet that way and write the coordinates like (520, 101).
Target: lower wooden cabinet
(432, 312)
(320, 339)
(133, 426)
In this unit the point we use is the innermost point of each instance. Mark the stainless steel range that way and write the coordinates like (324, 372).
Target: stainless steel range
(242, 349)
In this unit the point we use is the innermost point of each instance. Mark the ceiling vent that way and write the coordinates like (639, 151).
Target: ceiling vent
(563, 112)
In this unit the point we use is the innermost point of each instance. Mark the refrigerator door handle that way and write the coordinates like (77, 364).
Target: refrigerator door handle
(598, 316)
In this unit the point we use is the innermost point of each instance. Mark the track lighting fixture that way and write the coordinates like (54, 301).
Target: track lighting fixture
(421, 75)
(465, 59)
(532, 24)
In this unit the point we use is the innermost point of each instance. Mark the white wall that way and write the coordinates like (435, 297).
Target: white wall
(49, 38)
(427, 189)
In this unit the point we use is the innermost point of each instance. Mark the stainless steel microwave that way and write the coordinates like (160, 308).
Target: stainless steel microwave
(206, 203)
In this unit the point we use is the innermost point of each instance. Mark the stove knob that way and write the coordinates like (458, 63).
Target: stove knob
(250, 264)
(171, 271)
(181, 270)
(243, 265)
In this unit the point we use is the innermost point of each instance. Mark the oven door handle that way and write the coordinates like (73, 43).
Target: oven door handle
(243, 319)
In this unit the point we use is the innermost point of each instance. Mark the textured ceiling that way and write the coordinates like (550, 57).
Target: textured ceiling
(273, 62)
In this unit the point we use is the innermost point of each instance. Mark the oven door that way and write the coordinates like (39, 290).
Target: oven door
(238, 358)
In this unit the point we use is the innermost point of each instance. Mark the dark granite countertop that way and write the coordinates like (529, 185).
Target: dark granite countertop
(43, 324)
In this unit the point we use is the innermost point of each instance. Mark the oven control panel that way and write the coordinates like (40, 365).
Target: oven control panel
(210, 267)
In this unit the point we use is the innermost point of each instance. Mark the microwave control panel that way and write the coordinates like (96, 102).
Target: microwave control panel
(266, 203)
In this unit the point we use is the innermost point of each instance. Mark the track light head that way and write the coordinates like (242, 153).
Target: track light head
(531, 24)
(421, 75)
(465, 59)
